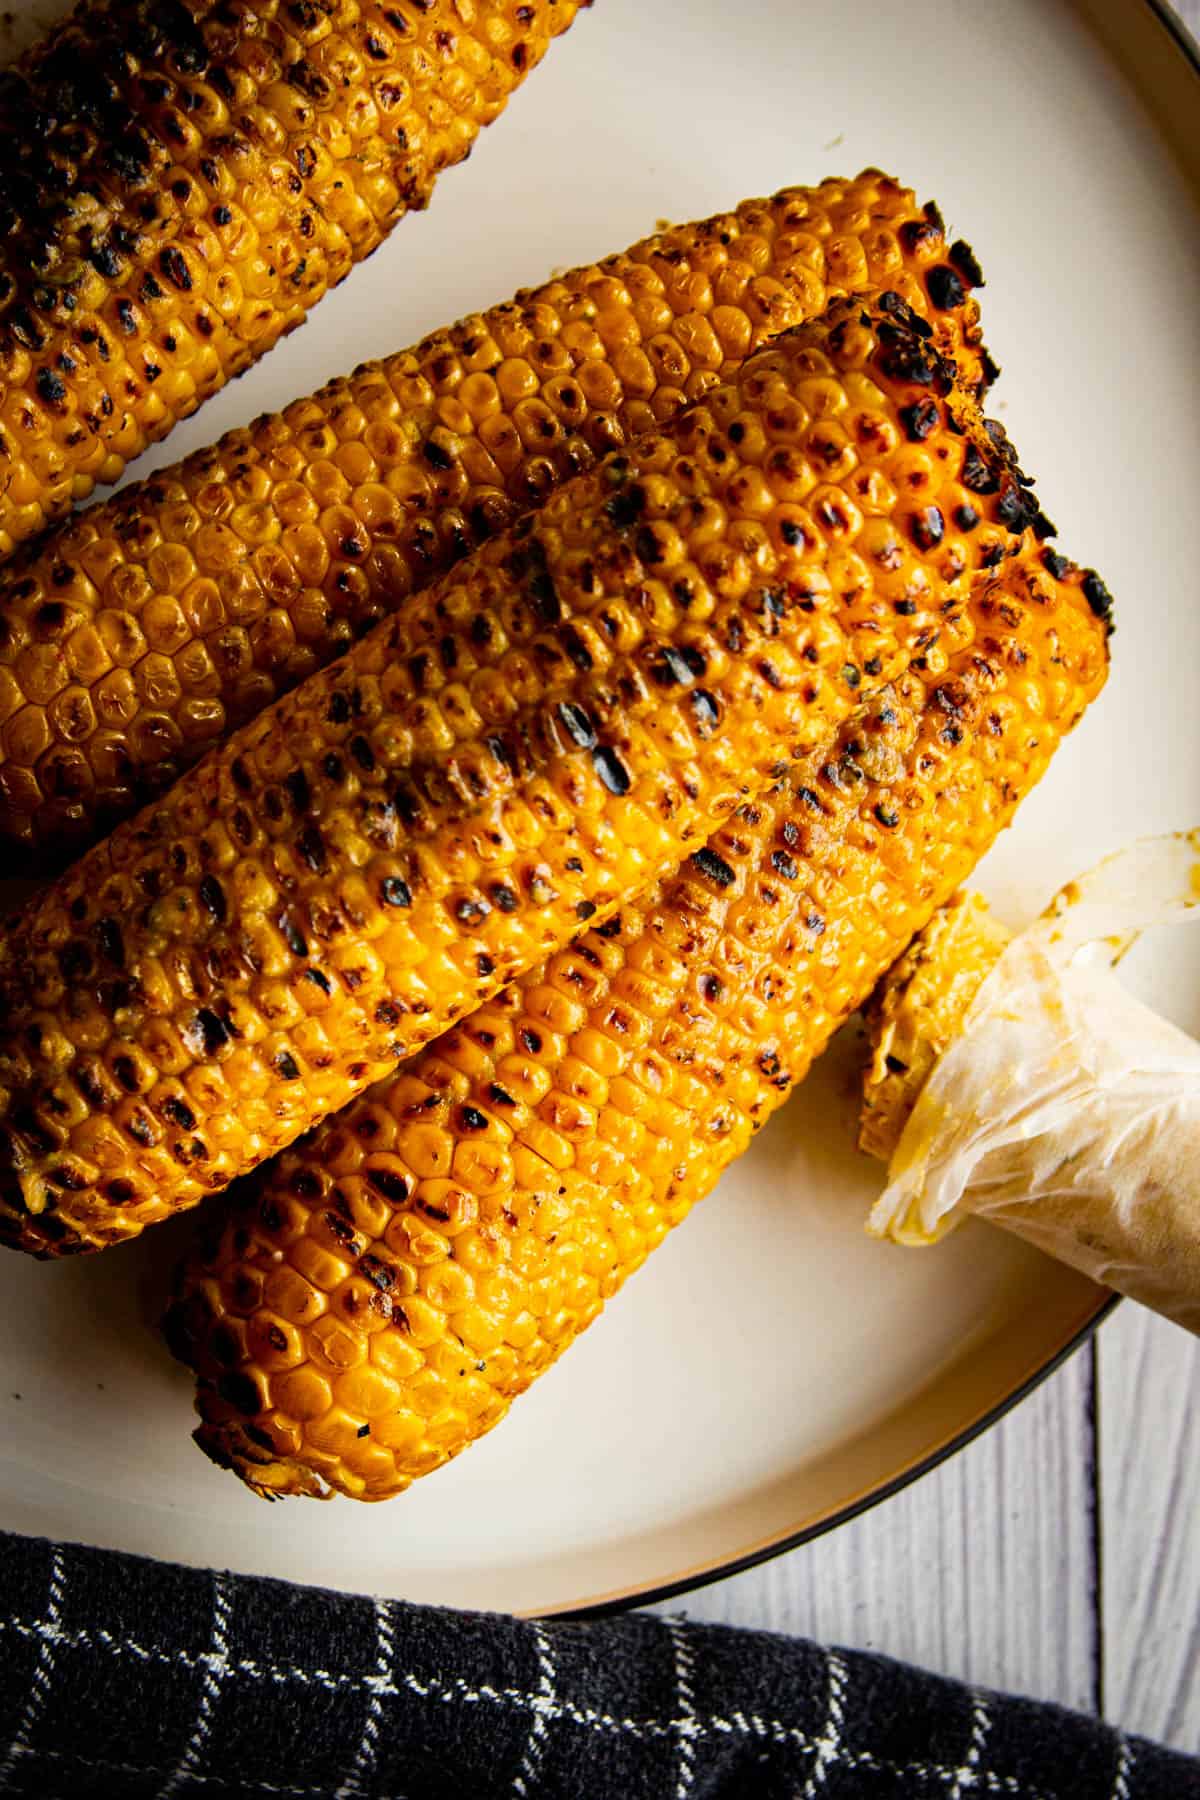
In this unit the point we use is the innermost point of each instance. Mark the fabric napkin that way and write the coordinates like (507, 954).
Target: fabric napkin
(120, 1676)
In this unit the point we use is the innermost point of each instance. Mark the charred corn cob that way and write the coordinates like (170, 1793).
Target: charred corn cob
(375, 1300)
(181, 181)
(141, 632)
(917, 1011)
(524, 745)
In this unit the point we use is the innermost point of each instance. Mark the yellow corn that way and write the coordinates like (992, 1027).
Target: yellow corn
(523, 746)
(142, 631)
(916, 1013)
(180, 182)
(372, 1304)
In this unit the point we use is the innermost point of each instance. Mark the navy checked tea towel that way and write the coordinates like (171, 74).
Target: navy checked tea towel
(123, 1677)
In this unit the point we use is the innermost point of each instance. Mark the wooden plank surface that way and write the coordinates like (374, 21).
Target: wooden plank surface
(1149, 1443)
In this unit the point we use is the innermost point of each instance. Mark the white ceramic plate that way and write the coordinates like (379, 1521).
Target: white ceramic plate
(772, 1369)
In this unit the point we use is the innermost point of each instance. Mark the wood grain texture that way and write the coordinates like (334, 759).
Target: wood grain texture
(982, 1569)
(1149, 1460)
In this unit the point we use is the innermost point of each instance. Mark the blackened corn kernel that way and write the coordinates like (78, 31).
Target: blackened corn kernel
(473, 778)
(181, 182)
(196, 597)
(553, 1164)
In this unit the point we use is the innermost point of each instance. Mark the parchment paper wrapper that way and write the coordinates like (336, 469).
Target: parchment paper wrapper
(1066, 1110)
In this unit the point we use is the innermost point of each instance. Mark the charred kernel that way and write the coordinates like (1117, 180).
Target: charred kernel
(710, 863)
(920, 419)
(362, 753)
(241, 1392)
(611, 770)
(946, 288)
(585, 909)
(976, 473)
(1013, 509)
(577, 650)
(898, 308)
(966, 262)
(125, 1070)
(887, 815)
(816, 924)
(298, 790)
(395, 892)
(287, 1065)
(310, 847)
(852, 676)
(672, 668)
(387, 1182)
(965, 516)
(110, 942)
(292, 936)
(211, 1031)
(626, 508)
(784, 865)
(895, 1064)
(212, 898)
(1055, 564)
(1097, 595)
(472, 1119)
(179, 1113)
(381, 1275)
(50, 387)
(577, 725)
(928, 528)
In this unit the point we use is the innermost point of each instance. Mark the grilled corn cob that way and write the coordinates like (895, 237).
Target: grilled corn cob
(917, 1011)
(180, 182)
(527, 743)
(373, 1301)
(141, 632)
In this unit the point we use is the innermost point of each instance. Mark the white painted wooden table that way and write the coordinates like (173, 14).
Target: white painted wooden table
(1057, 1556)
